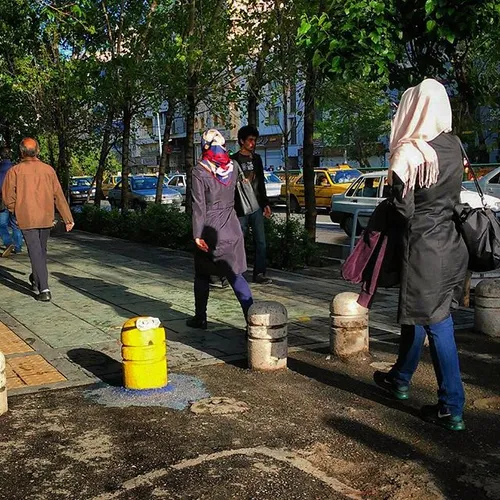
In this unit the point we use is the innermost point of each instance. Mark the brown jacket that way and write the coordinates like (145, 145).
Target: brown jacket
(30, 190)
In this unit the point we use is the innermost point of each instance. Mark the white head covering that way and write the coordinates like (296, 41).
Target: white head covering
(423, 114)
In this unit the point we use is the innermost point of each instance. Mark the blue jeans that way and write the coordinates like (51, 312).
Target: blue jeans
(256, 222)
(444, 358)
(9, 220)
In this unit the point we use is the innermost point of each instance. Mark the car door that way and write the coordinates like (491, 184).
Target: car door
(492, 186)
(323, 188)
(298, 190)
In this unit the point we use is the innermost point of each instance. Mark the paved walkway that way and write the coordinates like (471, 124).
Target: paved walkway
(98, 283)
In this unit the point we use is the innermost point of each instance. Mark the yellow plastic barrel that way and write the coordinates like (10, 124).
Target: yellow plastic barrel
(144, 354)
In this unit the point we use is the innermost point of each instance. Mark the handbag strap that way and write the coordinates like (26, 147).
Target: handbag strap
(474, 176)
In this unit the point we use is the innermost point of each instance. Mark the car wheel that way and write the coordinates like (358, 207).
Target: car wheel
(113, 203)
(137, 206)
(346, 225)
(294, 205)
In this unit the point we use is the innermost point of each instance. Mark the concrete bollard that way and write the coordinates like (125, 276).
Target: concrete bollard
(3, 385)
(487, 307)
(349, 332)
(267, 336)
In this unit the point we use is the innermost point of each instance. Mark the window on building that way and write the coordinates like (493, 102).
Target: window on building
(273, 117)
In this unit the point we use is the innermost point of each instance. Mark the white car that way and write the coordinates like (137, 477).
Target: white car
(366, 192)
(273, 187)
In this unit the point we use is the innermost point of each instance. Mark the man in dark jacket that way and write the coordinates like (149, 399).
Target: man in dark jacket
(12, 243)
(253, 169)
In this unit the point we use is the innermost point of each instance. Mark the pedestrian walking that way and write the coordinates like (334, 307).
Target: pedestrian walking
(220, 248)
(426, 176)
(29, 191)
(14, 242)
(253, 169)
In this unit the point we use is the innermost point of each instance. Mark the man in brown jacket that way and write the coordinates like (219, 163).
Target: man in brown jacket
(29, 191)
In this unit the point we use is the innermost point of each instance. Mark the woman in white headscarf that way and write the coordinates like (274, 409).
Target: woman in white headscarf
(426, 172)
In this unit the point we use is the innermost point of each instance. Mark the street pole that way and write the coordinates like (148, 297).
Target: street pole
(159, 131)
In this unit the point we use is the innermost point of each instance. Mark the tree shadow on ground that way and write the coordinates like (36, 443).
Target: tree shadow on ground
(221, 343)
(99, 364)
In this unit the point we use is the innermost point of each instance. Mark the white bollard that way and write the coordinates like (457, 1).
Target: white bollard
(3, 385)
(487, 307)
(267, 336)
(349, 332)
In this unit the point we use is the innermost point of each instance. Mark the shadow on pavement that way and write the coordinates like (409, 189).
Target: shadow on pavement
(99, 364)
(207, 341)
(16, 284)
(348, 384)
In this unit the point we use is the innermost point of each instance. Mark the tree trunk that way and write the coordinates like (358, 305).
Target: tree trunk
(255, 85)
(308, 152)
(63, 161)
(285, 150)
(127, 121)
(101, 167)
(190, 114)
(165, 153)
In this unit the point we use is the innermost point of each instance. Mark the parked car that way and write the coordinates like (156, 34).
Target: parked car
(142, 191)
(327, 182)
(490, 183)
(79, 188)
(372, 188)
(178, 182)
(110, 182)
(273, 187)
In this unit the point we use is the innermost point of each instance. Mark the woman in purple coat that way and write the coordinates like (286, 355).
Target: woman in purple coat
(220, 248)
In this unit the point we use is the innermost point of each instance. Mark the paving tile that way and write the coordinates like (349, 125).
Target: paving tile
(34, 370)
(10, 343)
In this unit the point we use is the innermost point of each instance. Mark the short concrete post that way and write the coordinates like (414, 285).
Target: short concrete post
(487, 307)
(267, 336)
(349, 326)
(3, 385)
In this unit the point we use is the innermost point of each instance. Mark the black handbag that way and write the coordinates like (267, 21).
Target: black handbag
(480, 230)
(245, 199)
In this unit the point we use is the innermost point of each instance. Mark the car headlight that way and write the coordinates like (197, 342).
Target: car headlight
(150, 198)
(93, 191)
(76, 192)
(495, 206)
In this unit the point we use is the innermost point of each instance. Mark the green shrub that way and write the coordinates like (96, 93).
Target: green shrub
(288, 246)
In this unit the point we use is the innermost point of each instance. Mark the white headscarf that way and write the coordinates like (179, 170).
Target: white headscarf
(423, 114)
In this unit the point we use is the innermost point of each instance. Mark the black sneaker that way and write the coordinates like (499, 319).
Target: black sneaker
(196, 322)
(217, 282)
(34, 288)
(400, 392)
(436, 415)
(260, 279)
(44, 297)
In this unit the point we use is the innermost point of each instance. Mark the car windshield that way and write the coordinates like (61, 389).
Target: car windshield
(345, 176)
(145, 183)
(272, 178)
(80, 183)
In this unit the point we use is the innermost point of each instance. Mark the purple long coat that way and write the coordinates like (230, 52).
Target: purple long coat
(215, 221)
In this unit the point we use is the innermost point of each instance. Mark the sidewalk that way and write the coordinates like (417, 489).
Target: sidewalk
(320, 430)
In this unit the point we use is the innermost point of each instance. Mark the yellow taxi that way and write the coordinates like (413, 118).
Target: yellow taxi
(110, 182)
(327, 182)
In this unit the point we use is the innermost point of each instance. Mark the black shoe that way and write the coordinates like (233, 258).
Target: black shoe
(196, 322)
(34, 288)
(217, 282)
(436, 415)
(398, 391)
(44, 297)
(262, 280)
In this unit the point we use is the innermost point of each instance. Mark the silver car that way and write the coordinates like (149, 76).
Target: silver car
(490, 183)
(178, 183)
(273, 187)
(366, 192)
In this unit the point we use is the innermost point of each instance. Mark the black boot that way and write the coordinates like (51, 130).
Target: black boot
(197, 322)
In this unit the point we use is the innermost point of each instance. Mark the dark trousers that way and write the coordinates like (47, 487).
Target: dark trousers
(444, 358)
(202, 290)
(256, 222)
(36, 241)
